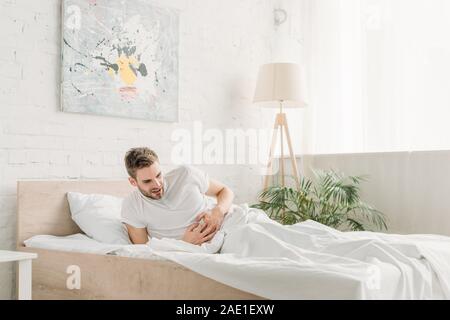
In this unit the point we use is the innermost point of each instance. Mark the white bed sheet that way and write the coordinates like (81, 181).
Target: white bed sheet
(80, 243)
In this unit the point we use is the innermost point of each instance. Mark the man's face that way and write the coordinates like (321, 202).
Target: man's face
(149, 181)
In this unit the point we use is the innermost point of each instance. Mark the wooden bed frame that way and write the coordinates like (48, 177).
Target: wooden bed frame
(42, 208)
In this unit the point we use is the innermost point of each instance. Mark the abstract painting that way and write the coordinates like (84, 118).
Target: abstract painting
(120, 58)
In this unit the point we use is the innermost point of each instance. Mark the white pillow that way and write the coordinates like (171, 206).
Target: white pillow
(98, 215)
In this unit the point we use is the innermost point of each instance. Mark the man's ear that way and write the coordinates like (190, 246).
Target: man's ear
(132, 181)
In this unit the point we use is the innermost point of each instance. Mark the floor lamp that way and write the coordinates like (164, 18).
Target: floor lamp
(279, 86)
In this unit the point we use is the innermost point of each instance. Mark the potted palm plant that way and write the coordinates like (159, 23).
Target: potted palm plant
(331, 198)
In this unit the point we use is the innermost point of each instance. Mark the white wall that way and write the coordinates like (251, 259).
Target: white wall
(222, 44)
(411, 188)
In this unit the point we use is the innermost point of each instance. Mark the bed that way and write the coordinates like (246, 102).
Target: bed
(259, 257)
(42, 209)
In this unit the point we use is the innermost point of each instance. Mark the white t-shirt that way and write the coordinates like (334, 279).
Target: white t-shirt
(183, 199)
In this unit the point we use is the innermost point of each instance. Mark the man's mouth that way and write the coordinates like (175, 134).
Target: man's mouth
(156, 191)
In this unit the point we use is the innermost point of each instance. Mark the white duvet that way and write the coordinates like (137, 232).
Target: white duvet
(311, 261)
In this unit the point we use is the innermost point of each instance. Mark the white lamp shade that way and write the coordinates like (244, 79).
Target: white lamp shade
(279, 82)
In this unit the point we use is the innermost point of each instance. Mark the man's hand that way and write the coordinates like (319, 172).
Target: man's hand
(212, 221)
(197, 234)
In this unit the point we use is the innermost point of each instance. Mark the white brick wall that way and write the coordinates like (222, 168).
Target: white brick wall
(222, 44)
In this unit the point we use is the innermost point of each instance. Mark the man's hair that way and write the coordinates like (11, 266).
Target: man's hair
(138, 158)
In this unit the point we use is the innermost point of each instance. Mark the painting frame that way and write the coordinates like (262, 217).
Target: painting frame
(132, 78)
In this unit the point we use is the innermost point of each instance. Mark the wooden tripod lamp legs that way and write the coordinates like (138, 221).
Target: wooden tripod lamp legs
(281, 124)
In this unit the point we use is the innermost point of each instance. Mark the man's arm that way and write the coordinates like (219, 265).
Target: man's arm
(137, 235)
(223, 194)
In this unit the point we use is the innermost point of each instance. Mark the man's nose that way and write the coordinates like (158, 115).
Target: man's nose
(158, 183)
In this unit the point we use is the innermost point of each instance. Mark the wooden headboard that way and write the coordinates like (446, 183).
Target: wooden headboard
(42, 206)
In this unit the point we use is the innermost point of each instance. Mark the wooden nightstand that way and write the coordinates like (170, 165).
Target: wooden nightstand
(24, 271)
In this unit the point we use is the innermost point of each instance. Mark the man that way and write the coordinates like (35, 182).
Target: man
(171, 205)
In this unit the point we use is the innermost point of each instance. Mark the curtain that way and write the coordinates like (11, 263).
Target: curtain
(378, 75)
